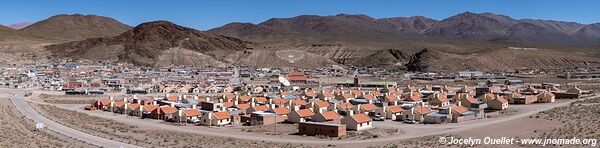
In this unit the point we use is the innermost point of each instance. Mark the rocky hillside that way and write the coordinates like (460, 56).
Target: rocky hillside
(150, 44)
(76, 27)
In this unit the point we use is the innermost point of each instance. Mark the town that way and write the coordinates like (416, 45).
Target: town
(322, 102)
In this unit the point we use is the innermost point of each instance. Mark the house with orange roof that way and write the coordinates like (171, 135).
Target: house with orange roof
(280, 111)
(309, 94)
(191, 115)
(546, 97)
(438, 100)
(215, 118)
(261, 100)
(302, 115)
(390, 112)
(345, 97)
(296, 104)
(318, 106)
(341, 107)
(498, 104)
(487, 97)
(102, 104)
(243, 99)
(151, 111)
(357, 122)
(119, 107)
(329, 117)
(168, 112)
(414, 98)
(417, 113)
(468, 100)
(326, 95)
(368, 109)
(135, 109)
(257, 108)
(244, 106)
(391, 99)
(369, 97)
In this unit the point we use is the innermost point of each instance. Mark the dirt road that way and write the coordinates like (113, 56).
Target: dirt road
(26, 110)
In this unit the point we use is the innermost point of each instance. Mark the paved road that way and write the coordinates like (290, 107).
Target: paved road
(30, 113)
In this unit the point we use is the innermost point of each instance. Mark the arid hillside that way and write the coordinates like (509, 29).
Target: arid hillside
(76, 27)
(147, 44)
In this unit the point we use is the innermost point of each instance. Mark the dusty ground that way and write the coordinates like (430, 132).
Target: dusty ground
(579, 119)
(143, 136)
(18, 131)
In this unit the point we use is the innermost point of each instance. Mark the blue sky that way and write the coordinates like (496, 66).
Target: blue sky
(204, 14)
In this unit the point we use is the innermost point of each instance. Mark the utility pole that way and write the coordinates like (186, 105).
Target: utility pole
(275, 124)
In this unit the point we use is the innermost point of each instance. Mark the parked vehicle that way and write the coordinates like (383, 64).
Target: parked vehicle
(378, 118)
(409, 121)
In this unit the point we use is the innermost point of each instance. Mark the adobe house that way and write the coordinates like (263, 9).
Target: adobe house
(151, 111)
(438, 100)
(329, 117)
(390, 112)
(498, 104)
(135, 110)
(325, 129)
(357, 122)
(417, 113)
(546, 97)
(302, 115)
(215, 118)
(167, 113)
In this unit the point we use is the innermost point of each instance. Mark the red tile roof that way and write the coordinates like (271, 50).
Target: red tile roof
(281, 111)
(320, 104)
(395, 109)
(368, 96)
(228, 104)
(261, 108)
(134, 106)
(243, 106)
(191, 112)
(245, 98)
(305, 113)
(300, 102)
(310, 93)
(119, 104)
(168, 110)
(328, 94)
(331, 115)
(105, 102)
(460, 109)
(422, 110)
(368, 107)
(221, 115)
(261, 99)
(345, 105)
(361, 118)
(150, 107)
(172, 98)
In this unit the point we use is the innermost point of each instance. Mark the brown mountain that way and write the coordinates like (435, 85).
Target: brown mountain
(10, 34)
(590, 32)
(152, 44)
(485, 26)
(415, 24)
(320, 28)
(76, 27)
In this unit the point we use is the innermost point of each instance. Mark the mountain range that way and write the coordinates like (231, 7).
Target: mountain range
(487, 27)
(464, 41)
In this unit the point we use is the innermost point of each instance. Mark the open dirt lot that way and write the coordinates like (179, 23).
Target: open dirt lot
(579, 119)
(144, 136)
(18, 131)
